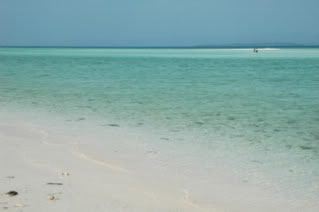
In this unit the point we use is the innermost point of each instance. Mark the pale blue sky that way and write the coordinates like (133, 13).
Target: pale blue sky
(157, 22)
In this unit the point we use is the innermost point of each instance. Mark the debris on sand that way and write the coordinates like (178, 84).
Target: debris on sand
(54, 183)
(12, 193)
(65, 174)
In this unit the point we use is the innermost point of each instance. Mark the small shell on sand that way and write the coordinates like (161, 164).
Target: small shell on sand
(19, 205)
(51, 197)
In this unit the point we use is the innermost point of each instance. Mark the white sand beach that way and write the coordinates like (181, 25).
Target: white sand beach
(66, 169)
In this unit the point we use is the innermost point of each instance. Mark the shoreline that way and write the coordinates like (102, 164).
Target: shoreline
(112, 170)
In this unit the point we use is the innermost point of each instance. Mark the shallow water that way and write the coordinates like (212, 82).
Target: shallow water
(261, 109)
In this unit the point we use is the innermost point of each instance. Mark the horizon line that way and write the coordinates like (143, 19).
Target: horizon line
(260, 45)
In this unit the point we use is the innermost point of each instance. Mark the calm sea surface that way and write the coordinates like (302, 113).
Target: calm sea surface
(262, 107)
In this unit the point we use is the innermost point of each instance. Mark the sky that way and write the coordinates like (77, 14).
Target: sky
(157, 22)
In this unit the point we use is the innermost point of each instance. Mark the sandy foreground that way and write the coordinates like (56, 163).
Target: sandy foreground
(66, 169)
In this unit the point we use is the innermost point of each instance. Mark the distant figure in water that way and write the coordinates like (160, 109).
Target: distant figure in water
(255, 50)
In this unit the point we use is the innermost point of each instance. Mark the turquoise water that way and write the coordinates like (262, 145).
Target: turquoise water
(262, 106)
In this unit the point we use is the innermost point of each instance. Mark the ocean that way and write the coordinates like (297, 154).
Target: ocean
(258, 112)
